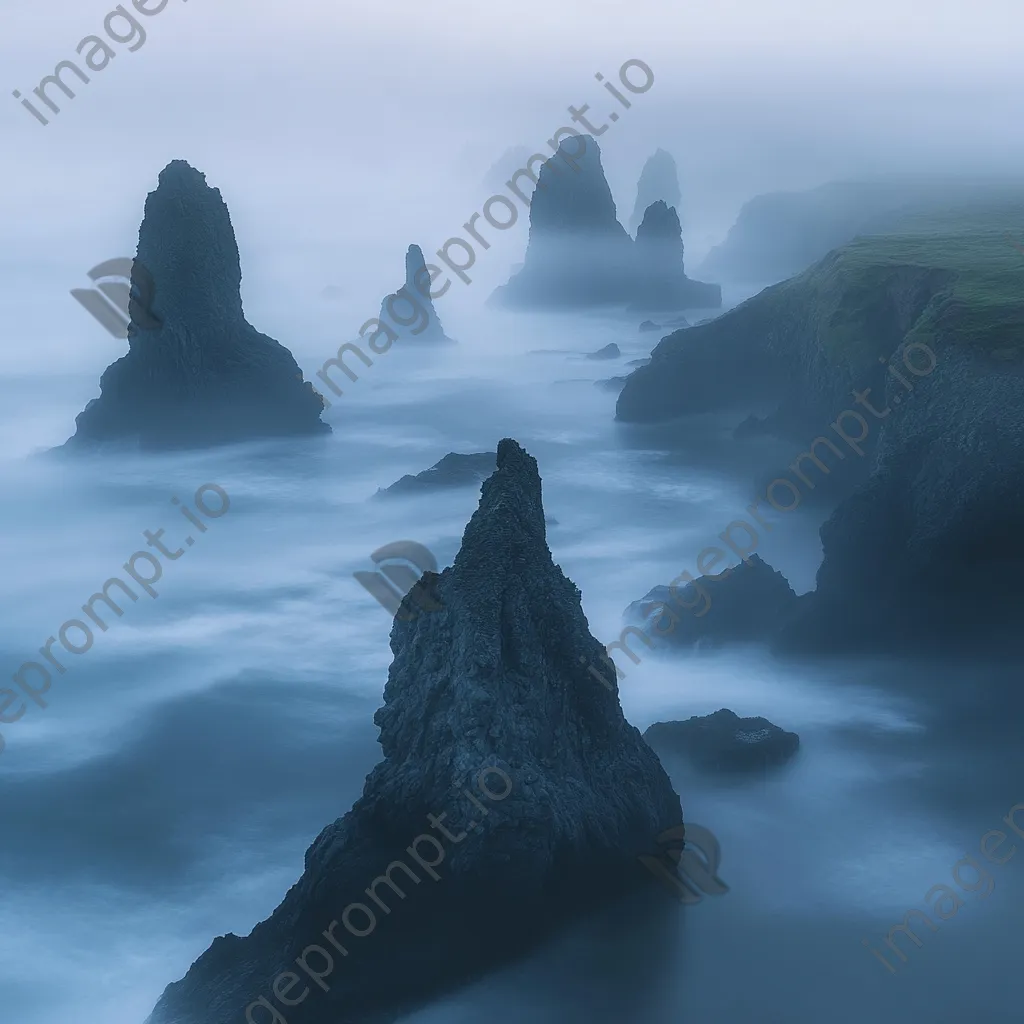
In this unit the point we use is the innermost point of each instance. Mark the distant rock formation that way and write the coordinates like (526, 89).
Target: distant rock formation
(661, 279)
(724, 742)
(410, 310)
(579, 254)
(610, 351)
(750, 602)
(613, 384)
(669, 325)
(196, 373)
(493, 693)
(659, 181)
(501, 171)
(454, 470)
(780, 234)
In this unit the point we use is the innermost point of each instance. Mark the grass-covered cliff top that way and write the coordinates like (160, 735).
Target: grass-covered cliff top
(949, 277)
(965, 255)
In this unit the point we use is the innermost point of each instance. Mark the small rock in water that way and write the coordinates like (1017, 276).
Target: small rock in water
(724, 742)
(454, 470)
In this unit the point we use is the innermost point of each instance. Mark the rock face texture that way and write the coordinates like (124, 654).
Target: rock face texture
(409, 311)
(661, 282)
(929, 553)
(751, 603)
(801, 346)
(196, 372)
(578, 253)
(724, 742)
(454, 470)
(659, 182)
(493, 686)
(914, 342)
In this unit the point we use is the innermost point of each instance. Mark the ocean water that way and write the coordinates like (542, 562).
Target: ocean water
(183, 763)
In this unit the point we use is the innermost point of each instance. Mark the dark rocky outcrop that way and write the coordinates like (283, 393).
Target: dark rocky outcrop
(579, 254)
(196, 372)
(409, 311)
(724, 742)
(750, 602)
(610, 351)
(454, 470)
(615, 384)
(661, 280)
(801, 346)
(928, 554)
(912, 343)
(659, 181)
(497, 679)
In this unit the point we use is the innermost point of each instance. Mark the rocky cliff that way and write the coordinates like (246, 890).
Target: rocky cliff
(409, 310)
(196, 372)
(800, 346)
(928, 555)
(783, 233)
(659, 182)
(492, 718)
(917, 340)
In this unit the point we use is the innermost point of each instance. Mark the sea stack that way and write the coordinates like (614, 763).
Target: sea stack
(512, 794)
(578, 253)
(196, 373)
(661, 281)
(659, 181)
(409, 311)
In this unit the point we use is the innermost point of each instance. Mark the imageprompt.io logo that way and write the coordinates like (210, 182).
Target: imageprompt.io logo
(687, 868)
(401, 564)
(117, 299)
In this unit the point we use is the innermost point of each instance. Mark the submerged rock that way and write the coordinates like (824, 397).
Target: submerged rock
(750, 602)
(724, 742)
(454, 470)
(659, 180)
(409, 311)
(196, 373)
(491, 693)
(669, 325)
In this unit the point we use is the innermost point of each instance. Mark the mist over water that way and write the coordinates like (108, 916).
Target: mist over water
(184, 763)
(169, 789)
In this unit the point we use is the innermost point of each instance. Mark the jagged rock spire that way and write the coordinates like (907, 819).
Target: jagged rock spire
(659, 180)
(578, 253)
(496, 679)
(196, 372)
(409, 312)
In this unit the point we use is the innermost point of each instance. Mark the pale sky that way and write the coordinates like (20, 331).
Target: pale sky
(339, 134)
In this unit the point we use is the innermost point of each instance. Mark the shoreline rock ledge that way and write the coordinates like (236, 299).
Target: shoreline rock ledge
(197, 373)
(497, 679)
